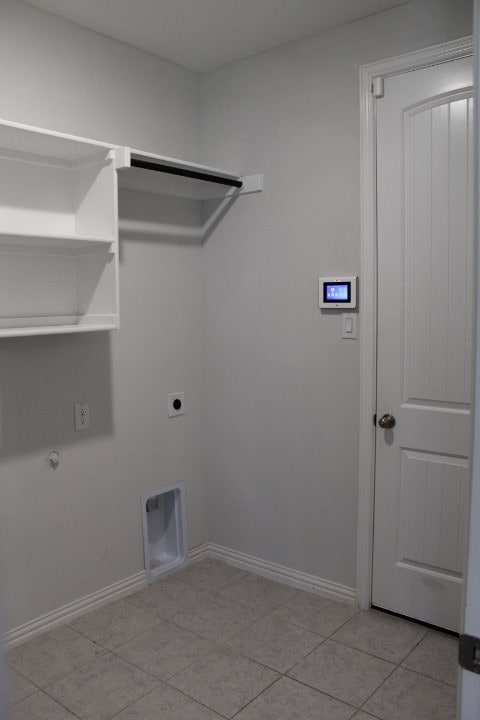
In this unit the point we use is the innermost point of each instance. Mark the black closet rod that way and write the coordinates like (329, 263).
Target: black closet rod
(184, 172)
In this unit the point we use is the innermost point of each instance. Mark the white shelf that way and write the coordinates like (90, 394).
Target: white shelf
(58, 233)
(59, 223)
(23, 327)
(55, 146)
(163, 182)
(66, 242)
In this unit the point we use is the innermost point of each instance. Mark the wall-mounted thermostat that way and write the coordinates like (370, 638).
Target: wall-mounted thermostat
(337, 292)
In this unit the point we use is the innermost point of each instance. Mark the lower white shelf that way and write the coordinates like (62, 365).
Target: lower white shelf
(63, 243)
(51, 291)
(26, 326)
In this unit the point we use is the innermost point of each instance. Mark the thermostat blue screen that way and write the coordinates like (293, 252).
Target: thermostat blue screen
(336, 292)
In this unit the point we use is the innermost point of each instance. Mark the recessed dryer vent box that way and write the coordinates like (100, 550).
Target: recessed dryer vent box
(164, 530)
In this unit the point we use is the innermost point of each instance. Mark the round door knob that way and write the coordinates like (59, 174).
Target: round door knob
(387, 421)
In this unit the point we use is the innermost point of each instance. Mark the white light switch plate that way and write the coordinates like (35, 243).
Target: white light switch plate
(349, 326)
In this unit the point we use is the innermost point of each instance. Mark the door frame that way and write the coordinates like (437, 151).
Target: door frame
(435, 55)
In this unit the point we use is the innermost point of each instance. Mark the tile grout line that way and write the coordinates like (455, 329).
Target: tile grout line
(212, 598)
(133, 702)
(428, 677)
(304, 684)
(378, 688)
(216, 711)
(130, 639)
(271, 609)
(269, 667)
(169, 687)
(268, 614)
(222, 645)
(161, 682)
(400, 666)
(364, 652)
(155, 615)
(262, 616)
(302, 627)
(248, 626)
(118, 600)
(321, 692)
(378, 657)
(166, 681)
(107, 651)
(42, 690)
(256, 697)
(62, 677)
(37, 688)
(416, 646)
(199, 637)
(133, 637)
(326, 637)
(58, 702)
(199, 587)
(429, 632)
(285, 674)
(396, 665)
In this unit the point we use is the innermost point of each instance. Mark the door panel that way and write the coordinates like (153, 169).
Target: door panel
(433, 491)
(425, 301)
(438, 147)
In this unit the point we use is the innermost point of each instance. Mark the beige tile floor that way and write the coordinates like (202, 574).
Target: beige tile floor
(216, 642)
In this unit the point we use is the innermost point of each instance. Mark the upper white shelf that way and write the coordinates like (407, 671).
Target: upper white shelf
(171, 176)
(55, 146)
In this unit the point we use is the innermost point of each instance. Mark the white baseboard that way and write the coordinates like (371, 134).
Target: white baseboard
(285, 575)
(75, 609)
(84, 605)
(72, 610)
(198, 553)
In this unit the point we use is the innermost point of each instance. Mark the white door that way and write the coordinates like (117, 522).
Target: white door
(425, 297)
(469, 686)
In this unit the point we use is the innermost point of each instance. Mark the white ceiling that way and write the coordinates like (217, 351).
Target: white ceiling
(204, 34)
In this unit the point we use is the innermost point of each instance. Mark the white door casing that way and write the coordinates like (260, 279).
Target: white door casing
(425, 301)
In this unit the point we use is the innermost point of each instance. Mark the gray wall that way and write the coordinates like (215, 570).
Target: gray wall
(71, 532)
(283, 387)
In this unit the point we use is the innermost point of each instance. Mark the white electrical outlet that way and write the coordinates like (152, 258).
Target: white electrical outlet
(176, 404)
(82, 416)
